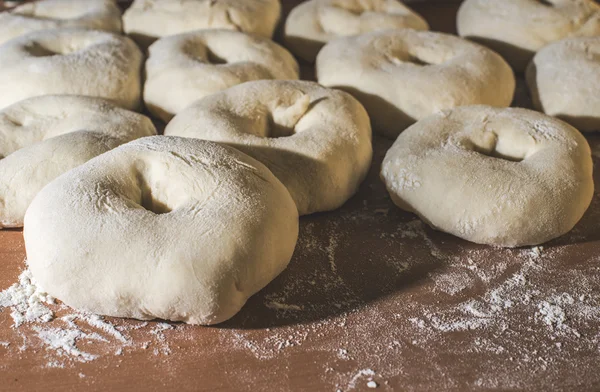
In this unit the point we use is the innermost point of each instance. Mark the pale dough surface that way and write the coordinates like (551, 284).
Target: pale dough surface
(184, 68)
(518, 28)
(506, 177)
(71, 61)
(43, 137)
(147, 20)
(317, 141)
(564, 81)
(53, 14)
(313, 23)
(401, 76)
(162, 227)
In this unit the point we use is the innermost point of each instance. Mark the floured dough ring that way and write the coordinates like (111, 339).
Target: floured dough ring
(43, 137)
(147, 20)
(317, 141)
(53, 14)
(71, 61)
(518, 28)
(184, 68)
(401, 76)
(564, 81)
(163, 227)
(507, 177)
(315, 22)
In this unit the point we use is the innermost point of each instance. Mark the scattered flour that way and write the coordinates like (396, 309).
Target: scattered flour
(26, 301)
(64, 342)
(495, 303)
(360, 374)
(34, 314)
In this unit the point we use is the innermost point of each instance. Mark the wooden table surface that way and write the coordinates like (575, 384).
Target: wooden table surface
(372, 299)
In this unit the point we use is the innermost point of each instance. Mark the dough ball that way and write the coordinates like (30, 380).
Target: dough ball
(162, 227)
(506, 177)
(315, 22)
(184, 68)
(401, 76)
(148, 20)
(53, 14)
(518, 28)
(564, 81)
(317, 141)
(71, 61)
(44, 137)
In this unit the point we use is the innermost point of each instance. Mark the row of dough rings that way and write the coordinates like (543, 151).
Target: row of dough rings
(147, 20)
(406, 75)
(44, 137)
(215, 305)
(186, 67)
(106, 237)
(508, 177)
(144, 20)
(71, 61)
(51, 14)
(313, 23)
(317, 141)
(564, 81)
(517, 29)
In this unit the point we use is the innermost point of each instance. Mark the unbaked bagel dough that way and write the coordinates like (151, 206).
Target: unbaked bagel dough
(506, 177)
(564, 81)
(71, 61)
(401, 76)
(518, 28)
(317, 141)
(163, 227)
(52, 14)
(315, 22)
(184, 68)
(43, 137)
(147, 20)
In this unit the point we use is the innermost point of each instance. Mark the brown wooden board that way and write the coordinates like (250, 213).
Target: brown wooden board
(371, 294)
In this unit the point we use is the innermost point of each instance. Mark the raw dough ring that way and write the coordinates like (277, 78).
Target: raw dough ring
(44, 137)
(162, 227)
(184, 68)
(71, 61)
(315, 22)
(564, 81)
(147, 20)
(518, 28)
(317, 141)
(405, 75)
(507, 177)
(53, 14)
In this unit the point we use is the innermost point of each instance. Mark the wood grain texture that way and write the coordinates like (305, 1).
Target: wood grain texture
(344, 312)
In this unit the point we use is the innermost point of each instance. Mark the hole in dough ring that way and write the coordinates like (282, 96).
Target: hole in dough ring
(564, 81)
(44, 137)
(506, 177)
(317, 141)
(162, 227)
(406, 75)
(184, 68)
(516, 29)
(147, 20)
(53, 14)
(313, 23)
(71, 61)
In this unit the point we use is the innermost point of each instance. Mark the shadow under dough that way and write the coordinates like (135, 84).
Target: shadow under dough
(344, 260)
